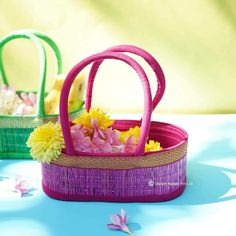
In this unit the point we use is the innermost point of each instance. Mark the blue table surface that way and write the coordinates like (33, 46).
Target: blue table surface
(208, 205)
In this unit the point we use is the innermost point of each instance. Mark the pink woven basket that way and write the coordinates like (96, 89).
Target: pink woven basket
(122, 177)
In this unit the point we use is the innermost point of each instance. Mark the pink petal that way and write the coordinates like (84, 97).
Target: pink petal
(97, 142)
(101, 145)
(23, 95)
(33, 98)
(107, 147)
(80, 141)
(98, 132)
(123, 216)
(112, 137)
(119, 222)
(116, 219)
(130, 144)
(22, 186)
(25, 98)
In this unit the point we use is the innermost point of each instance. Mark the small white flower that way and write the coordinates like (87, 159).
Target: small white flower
(9, 100)
(13, 104)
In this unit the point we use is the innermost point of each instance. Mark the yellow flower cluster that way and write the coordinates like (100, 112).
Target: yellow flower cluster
(131, 132)
(151, 145)
(103, 119)
(46, 142)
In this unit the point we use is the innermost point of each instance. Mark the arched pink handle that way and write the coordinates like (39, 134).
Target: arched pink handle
(64, 118)
(137, 51)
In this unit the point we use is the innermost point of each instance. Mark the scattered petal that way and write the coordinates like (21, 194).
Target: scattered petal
(116, 220)
(119, 222)
(123, 215)
(21, 185)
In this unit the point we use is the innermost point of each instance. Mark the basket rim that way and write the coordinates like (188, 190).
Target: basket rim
(128, 160)
(183, 133)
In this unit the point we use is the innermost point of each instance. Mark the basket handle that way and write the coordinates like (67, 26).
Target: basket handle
(137, 51)
(32, 35)
(53, 46)
(145, 123)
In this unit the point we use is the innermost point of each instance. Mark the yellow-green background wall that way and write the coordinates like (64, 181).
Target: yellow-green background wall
(193, 40)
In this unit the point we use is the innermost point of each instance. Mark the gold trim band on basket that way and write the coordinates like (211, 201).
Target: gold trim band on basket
(123, 162)
(24, 122)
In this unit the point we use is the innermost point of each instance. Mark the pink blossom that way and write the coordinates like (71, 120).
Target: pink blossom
(13, 104)
(130, 145)
(9, 100)
(106, 140)
(28, 104)
(101, 145)
(24, 109)
(21, 185)
(98, 140)
(29, 99)
(119, 222)
(5, 89)
(80, 140)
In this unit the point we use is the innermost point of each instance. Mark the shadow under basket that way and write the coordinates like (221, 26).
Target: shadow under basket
(156, 176)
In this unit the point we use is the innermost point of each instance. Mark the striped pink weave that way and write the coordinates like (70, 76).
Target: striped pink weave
(142, 184)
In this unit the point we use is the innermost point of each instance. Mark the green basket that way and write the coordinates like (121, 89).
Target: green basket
(15, 130)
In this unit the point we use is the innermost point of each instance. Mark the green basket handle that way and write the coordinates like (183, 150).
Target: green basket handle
(32, 35)
(40, 111)
(53, 45)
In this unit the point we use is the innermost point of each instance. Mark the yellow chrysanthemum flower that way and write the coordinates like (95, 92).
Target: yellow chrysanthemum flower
(152, 146)
(46, 142)
(131, 132)
(103, 120)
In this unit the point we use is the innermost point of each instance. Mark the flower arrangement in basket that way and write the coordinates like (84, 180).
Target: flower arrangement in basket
(94, 158)
(20, 111)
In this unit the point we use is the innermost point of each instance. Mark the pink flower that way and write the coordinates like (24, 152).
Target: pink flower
(11, 103)
(9, 100)
(130, 145)
(7, 90)
(24, 109)
(80, 140)
(29, 99)
(105, 140)
(99, 140)
(21, 185)
(119, 222)
(28, 104)
(95, 139)
(101, 145)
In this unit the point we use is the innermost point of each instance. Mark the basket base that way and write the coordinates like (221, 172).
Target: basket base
(156, 198)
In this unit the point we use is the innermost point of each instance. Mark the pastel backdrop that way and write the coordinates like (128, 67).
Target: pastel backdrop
(194, 41)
